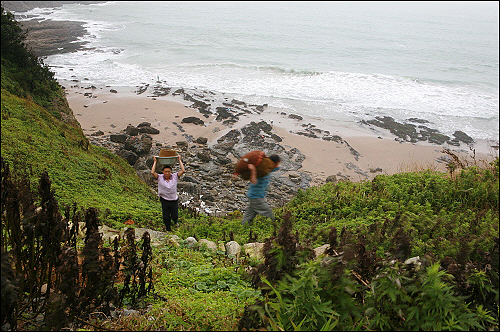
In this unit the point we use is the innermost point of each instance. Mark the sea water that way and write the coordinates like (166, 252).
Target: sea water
(337, 61)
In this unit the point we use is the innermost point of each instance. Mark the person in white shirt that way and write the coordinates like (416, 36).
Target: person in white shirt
(167, 192)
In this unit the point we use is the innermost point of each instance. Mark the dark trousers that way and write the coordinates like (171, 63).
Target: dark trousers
(170, 211)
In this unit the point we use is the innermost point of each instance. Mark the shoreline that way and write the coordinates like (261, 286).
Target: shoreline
(361, 153)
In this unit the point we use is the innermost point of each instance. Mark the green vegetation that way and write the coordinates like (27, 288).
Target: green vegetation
(362, 283)
(432, 208)
(204, 290)
(82, 173)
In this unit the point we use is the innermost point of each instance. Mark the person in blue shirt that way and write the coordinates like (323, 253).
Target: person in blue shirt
(256, 193)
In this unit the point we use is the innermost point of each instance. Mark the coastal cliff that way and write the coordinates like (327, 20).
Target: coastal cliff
(49, 37)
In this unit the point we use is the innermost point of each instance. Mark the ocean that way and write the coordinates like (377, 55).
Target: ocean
(340, 62)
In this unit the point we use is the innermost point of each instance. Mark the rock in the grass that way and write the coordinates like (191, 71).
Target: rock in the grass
(191, 242)
(209, 244)
(172, 241)
(321, 250)
(254, 250)
(233, 249)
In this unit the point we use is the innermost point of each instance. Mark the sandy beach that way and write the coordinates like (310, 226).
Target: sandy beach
(377, 151)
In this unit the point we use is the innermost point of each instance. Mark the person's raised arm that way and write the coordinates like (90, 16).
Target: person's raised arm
(182, 171)
(153, 169)
(253, 173)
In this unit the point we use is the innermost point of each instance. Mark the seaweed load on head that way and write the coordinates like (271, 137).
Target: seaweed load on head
(262, 163)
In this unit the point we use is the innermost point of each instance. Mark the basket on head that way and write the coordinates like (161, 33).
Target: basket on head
(167, 157)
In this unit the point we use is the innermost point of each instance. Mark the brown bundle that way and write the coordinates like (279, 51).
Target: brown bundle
(263, 164)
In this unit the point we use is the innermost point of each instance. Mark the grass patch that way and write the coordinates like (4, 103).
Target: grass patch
(34, 141)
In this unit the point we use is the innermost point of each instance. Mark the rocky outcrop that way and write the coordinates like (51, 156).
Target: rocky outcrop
(410, 132)
(54, 37)
(121, 138)
(129, 156)
(22, 6)
(139, 145)
(208, 185)
(145, 128)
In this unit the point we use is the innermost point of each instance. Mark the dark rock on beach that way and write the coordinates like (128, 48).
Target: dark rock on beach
(461, 136)
(145, 128)
(98, 133)
(404, 131)
(417, 120)
(132, 131)
(139, 145)
(142, 89)
(194, 120)
(201, 140)
(118, 138)
(223, 113)
(159, 91)
(296, 117)
(130, 156)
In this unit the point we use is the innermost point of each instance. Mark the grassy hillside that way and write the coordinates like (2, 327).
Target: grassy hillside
(451, 223)
(432, 208)
(39, 133)
(81, 173)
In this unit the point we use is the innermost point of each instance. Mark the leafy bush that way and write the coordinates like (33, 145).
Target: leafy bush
(424, 301)
(44, 249)
(398, 298)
